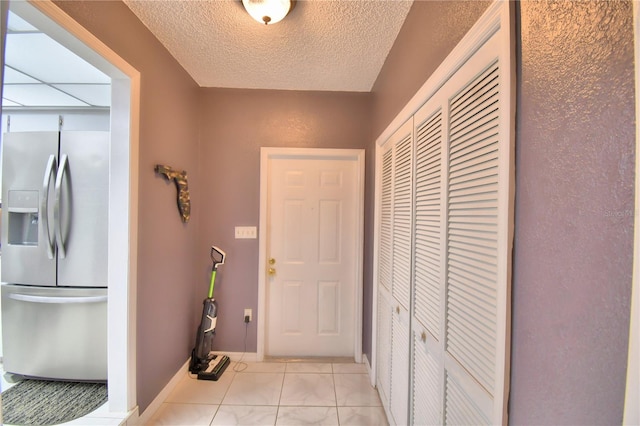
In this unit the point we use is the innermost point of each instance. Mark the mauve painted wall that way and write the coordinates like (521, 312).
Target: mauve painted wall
(235, 124)
(169, 287)
(431, 30)
(573, 251)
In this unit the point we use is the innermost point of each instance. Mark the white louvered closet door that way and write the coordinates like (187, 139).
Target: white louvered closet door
(394, 272)
(444, 251)
(402, 143)
(478, 211)
(402, 213)
(429, 265)
(384, 277)
(461, 236)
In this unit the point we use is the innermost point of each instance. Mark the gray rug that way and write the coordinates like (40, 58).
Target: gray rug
(39, 402)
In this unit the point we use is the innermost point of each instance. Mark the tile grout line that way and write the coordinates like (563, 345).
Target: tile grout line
(284, 375)
(335, 393)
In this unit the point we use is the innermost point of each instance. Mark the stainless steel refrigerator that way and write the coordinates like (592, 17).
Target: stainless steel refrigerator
(54, 254)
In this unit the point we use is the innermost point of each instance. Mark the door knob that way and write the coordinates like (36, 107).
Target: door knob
(271, 271)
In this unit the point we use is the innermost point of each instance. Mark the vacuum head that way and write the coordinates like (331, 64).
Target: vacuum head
(215, 368)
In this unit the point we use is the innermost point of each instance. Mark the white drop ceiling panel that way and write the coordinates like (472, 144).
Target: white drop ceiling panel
(17, 24)
(41, 73)
(44, 59)
(39, 95)
(12, 76)
(8, 103)
(93, 94)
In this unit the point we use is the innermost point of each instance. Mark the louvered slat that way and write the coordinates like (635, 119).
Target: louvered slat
(384, 265)
(384, 349)
(459, 408)
(402, 211)
(472, 234)
(427, 269)
(400, 366)
(427, 395)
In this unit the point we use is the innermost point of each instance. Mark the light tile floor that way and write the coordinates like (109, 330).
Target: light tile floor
(276, 393)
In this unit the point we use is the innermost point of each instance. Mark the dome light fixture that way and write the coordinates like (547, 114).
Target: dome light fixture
(268, 11)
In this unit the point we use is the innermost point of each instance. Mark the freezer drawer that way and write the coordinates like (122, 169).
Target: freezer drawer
(55, 333)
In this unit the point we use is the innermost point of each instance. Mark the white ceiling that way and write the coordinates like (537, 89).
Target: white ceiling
(39, 72)
(330, 45)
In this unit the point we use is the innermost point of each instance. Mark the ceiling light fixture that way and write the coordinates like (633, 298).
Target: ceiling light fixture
(268, 11)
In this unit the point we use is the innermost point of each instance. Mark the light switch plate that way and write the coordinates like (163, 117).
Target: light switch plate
(246, 232)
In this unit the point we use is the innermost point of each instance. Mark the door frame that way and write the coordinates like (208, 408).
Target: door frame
(123, 191)
(266, 154)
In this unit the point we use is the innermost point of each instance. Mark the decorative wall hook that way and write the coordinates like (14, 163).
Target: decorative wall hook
(180, 179)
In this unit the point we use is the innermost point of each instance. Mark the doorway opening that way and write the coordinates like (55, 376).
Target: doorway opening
(123, 184)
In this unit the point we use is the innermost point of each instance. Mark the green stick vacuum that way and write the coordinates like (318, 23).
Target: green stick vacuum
(204, 363)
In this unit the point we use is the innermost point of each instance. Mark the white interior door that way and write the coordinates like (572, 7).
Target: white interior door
(313, 251)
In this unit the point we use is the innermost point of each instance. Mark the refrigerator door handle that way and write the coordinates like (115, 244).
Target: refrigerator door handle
(64, 165)
(57, 300)
(44, 206)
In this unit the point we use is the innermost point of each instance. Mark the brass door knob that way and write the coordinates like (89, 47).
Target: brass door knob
(271, 271)
(272, 261)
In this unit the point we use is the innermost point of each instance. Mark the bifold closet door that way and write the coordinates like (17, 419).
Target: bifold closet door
(394, 272)
(461, 279)
(445, 235)
(383, 350)
(478, 212)
(429, 266)
(401, 278)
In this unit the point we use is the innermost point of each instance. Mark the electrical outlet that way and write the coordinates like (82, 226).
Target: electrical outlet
(247, 315)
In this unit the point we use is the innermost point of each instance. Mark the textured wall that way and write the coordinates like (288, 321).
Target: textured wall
(169, 289)
(432, 29)
(234, 125)
(574, 212)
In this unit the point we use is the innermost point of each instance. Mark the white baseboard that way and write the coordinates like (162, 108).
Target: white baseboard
(366, 363)
(237, 356)
(143, 419)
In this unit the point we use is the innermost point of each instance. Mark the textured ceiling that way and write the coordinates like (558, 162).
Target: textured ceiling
(321, 45)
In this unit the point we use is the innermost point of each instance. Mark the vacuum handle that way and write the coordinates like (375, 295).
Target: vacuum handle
(216, 251)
